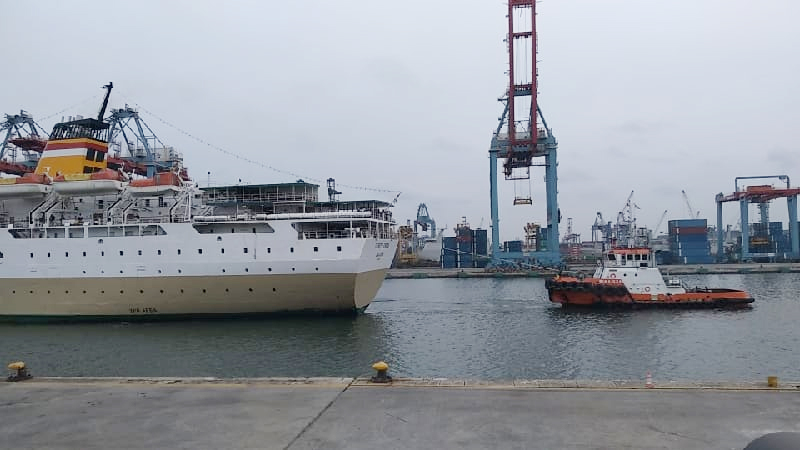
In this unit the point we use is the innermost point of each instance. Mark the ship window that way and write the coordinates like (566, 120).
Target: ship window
(147, 203)
(159, 252)
(48, 254)
(102, 253)
(630, 257)
(100, 156)
(140, 253)
(66, 254)
(291, 249)
(246, 249)
(31, 255)
(121, 253)
(269, 250)
(100, 241)
(90, 154)
(611, 257)
(222, 250)
(200, 251)
(219, 238)
(338, 248)
(1, 254)
(179, 251)
(316, 249)
(87, 169)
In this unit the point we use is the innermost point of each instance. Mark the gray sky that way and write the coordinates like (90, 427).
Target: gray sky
(650, 96)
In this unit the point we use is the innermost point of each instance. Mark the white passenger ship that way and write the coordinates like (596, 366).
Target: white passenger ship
(80, 240)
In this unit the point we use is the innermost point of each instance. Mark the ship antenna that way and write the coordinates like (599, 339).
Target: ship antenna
(105, 100)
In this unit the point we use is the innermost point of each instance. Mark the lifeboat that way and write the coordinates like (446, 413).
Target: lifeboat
(629, 278)
(160, 184)
(27, 186)
(105, 181)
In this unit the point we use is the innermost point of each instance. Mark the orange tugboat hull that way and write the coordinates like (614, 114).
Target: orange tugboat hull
(594, 292)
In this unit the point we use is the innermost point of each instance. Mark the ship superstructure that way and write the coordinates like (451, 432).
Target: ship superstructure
(80, 240)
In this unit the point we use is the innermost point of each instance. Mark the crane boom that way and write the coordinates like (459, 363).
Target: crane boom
(692, 213)
(660, 221)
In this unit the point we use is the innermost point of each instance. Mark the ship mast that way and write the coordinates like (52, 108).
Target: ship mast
(108, 88)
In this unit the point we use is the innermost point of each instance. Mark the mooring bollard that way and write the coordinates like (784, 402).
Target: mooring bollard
(381, 376)
(19, 372)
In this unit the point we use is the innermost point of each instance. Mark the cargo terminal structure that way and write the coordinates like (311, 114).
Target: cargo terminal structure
(766, 241)
(518, 140)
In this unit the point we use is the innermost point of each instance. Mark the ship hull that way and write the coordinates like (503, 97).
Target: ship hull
(164, 298)
(571, 292)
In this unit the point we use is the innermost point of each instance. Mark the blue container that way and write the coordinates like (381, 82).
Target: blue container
(513, 246)
(680, 223)
(481, 242)
(698, 260)
(449, 263)
(465, 261)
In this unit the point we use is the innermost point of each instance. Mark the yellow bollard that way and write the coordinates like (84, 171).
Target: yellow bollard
(772, 381)
(21, 372)
(381, 377)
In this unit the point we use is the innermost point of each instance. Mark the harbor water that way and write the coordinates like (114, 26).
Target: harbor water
(478, 328)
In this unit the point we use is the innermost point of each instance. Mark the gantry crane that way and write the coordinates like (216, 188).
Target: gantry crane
(523, 140)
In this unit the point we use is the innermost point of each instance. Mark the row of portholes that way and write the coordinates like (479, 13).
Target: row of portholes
(141, 291)
(199, 251)
(269, 269)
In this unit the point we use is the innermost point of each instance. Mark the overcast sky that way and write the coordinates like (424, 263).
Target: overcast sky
(649, 96)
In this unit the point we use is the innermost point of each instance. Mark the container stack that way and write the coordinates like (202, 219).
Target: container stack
(449, 253)
(512, 246)
(465, 244)
(688, 241)
(481, 248)
(467, 249)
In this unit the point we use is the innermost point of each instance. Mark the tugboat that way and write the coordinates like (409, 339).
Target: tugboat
(628, 277)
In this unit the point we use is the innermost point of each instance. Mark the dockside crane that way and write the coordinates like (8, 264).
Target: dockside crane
(520, 142)
(692, 213)
(660, 221)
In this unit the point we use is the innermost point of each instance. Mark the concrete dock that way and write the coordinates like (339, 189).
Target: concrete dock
(706, 269)
(345, 413)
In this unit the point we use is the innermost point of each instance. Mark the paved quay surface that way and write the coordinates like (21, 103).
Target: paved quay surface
(345, 413)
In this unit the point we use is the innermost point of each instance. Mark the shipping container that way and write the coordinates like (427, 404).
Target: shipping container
(449, 263)
(680, 223)
(688, 230)
(698, 260)
(465, 261)
(513, 246)
(481, 242)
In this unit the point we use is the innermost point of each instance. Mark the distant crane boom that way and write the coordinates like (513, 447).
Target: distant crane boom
(660, 221)
(692, 213)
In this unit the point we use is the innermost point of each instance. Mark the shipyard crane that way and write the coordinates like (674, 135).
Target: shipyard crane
(660, 221)
(21, 133)
(692, 213)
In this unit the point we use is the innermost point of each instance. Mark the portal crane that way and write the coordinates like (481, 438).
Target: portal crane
(518, 139)
(424, 220)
